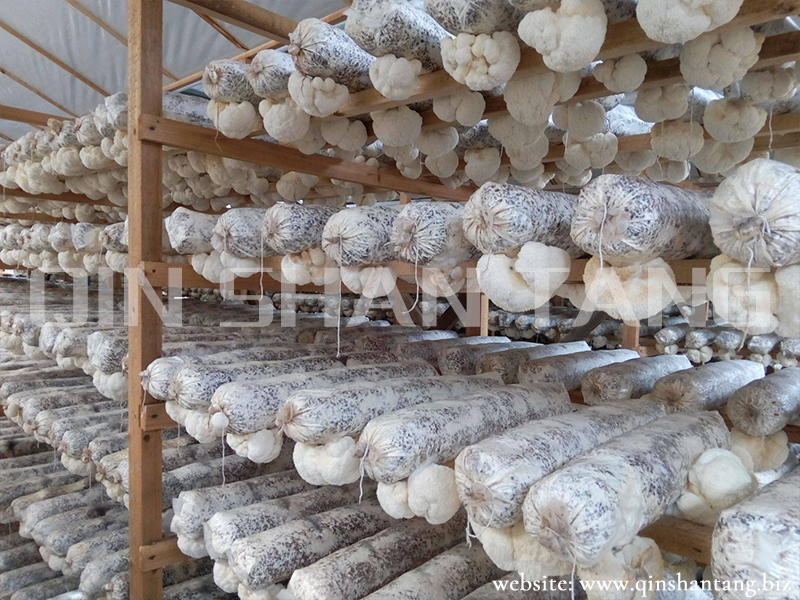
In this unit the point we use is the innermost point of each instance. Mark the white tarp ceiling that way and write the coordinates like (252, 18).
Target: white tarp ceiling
(62, 30)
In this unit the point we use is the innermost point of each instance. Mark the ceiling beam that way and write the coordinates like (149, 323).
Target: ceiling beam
(245, 15)
(52, 58)
(333, 19)
(107, 28)
(220, 29)
(41, 95)
(626, 37)
(21, 115)
(193, 137)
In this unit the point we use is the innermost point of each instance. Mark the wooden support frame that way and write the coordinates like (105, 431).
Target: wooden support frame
(22, 115)
(42, 218)
(220, 29)
(245, 15)
(145, 26)
(193, 137)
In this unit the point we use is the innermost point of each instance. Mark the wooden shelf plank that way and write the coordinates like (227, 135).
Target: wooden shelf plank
(192, 137)
(22, 115)
(681, 537)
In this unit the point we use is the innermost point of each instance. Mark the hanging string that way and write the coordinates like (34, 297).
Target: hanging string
(222, 439)
(362, 472)
(339, 311)
(771, 133)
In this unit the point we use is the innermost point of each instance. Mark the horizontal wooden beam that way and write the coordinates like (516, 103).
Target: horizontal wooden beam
(245, 15)
(333, 18)
(157, 274)
(154, 417)
(192, 137)
(160, 554)
(43, 218)
(626, 37)
(681, 537)
(23, 115)
(65, 197)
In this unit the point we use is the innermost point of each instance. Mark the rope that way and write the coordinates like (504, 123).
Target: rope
(362, 472)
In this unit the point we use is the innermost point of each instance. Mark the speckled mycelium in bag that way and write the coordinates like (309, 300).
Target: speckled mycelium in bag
(199, 588)
(28, 460)
(448, 576)
(22, 407)
(322, 416)
(254, 413)
(20, 556)
(23, 577)
(238, 232)
(506, 363)
(474, 16)
(210, 473)
(159, 373)
(602, 499)
(175, 454)
(193, 508)
(59, 541)
(367, 565)
(268, 73)
(51, 589)
(500, 217)
(395, 444)
(251, 406)
(754, 217)
(321, 50)
(274, 553)
(429, 350)
(629, 379)
(708, 387)
(32, 509)
(360, 236)
(387, 343)
(226, 81)
(569, 369)
(189, 231)
(226, 527)
(104, 545)
(629, 220)
(396, 27)
(293, 228)
(101, 569)
(118, 588)
(70, 518)
(766, 405)
(463, 360)
(758, 540)
(62, 426)
(44, 419)
(193, 385)
(432, 233)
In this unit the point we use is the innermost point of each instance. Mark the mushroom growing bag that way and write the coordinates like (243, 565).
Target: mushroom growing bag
(602, 500)
(501, 217)
(627, 220)
(755, 217)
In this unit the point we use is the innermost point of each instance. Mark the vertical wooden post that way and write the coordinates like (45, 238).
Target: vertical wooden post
(630, 336)
(484, 314)
(144, 244)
